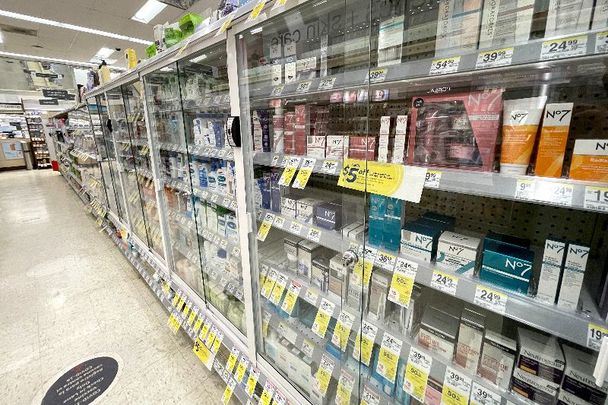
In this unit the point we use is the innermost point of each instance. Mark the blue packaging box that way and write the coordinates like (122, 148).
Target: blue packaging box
(328, 215)
(508, 266)
(447, 221)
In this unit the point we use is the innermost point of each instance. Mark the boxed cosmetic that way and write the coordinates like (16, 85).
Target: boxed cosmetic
(338, 280)
(565, 398)
(328, 215)
(320, 273)
(434, 391)
(421, 24)
(305, 209)
(551, 270)
(590, 160)
(497, 358)
(377, 212)
(470, 338)
(573, 275)
(289, 206)
(290, 244)
(506, 264)
(335, 147)
(438, 332)
(393, 218)
(447, 221)
(458, 252)
(349, 228)
(457, 26)
(358, 234)
(307, 252)
(362, 147)
(553, 140)
(533, 388)
(419, 239)
(579, 381)
(505, 23)
(456, 130)
(378, 293)
(540, 355)
(568, 17)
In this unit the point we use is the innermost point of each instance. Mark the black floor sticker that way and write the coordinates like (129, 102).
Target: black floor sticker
(83, 383)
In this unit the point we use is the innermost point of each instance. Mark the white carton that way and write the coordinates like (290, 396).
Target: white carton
(572, 279)
(550, 271)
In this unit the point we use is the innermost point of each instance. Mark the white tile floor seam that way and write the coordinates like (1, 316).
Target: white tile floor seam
(68, 294)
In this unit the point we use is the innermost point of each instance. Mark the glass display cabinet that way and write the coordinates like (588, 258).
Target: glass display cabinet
(429, 184)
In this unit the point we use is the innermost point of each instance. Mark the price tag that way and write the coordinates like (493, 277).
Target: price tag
(279, 287)
(226, 202)
(203, 354)
(265, 227)
(490, 299)
(279, 3)
(211, 336)
(444, 282)
(174, 323)
(601, 42)
(255, 13)
(308, 348)
(234, 355)
(385, 261)
(198, 324)
(269, 283)
(277, 91)
(99, 222)
(267, 394)
(186, 310)
(304, 174)
(295, 228)
(564, 48)
(363, 268)
(432, 179)
(556, 193)
(342, 330)
(326, 310)
(323, 375)
(217, 342)
(390, 350)
(205, 330)
(303, 87)
(377, 75)
(314, 235)
(402, 282)
(289, 171)
(291, 297)
(345, 388)
(483, 396)
(279, 399)
(241, 369)
(596, 198)
(227, 23)
(233, 205)
(228, 391)
(279, 222)
(444, 66)
(369, 397)
(254, 376)
(364, 343)
(326, 84)
(494, 58)
(595, 334)
(329, 166)
(456, 388)
(417, 373)
(524, 190)
(192, 316)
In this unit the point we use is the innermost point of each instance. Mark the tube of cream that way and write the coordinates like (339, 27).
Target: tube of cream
(553, 139)
(520, 125)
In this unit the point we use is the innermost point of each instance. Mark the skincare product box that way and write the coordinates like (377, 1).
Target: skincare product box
(447, 221)
(497, 358)
(457, 26)
(335, 146)
(290, 244)
(533, 388)
(572, 277)
(568, 17)
(470, 339)
(349, 228)
(328, 215)
(338, 280)
(438, 332)
(419, 240)
(320, 273)
(540, 355)
(505, 23)
(307, 252)
(551, 270)
(378, 293)
(289, 206)
(590, 160)
(507, 265)
(393, 219)
(458, 252)
(565, 398)
(377, 211)
(305, 209)
(579, 380)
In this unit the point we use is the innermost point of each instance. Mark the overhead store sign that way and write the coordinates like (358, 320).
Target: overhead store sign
(48, 101)
(12, 107)
(55, 93)
(48, 75)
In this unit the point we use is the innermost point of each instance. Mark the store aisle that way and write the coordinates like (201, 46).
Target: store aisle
(68, 294)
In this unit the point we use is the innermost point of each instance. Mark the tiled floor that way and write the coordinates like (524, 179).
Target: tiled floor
(67, 293)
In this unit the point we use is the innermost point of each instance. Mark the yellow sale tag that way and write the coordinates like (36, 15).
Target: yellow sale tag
(390, 350)
(227, 395)
(198, 324)
(174, 323)
(232, 360)
(345, 389)
(205, 330)
(291, 166)
(266, 323)
(364, 344)
(304, 174)
(99, 222)
(363, 272)
(291, 297)
(255, 13)
(323, 375)
(417, 374)
(279, 287)
(191, 318)
(176, 299)
(252, 381)
(342, 330)
(266, 397)
(217, 342)
(166, 287)
(326, 309)
(186, 311)
(227, 23)
(269, 283)
(402, 283)
(279, 3)
(449, 396)
(265, 227)
(241, 369)
(595, 334)
(203, 354)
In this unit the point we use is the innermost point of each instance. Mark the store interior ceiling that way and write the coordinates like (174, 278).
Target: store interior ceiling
(20, 35)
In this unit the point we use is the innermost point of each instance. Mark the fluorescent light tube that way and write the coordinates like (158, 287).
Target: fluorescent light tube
(148, 11)
(104, 53)
(38, 20)
(198, 58)
(56, 60)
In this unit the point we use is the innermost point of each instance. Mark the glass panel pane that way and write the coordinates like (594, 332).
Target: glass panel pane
(99, 185)
(206, 107)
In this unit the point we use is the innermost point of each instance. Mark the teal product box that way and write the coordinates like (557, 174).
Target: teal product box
(393, 219)
(419, 240)
(507, 265)
(447, 221)
(493, 239)
(377, 211)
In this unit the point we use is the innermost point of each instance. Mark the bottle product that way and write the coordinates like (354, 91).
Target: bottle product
(553, 139)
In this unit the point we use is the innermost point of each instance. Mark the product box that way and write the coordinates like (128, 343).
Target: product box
(505, 23)
(455, 130)
(320, 273)
(572, 277)
(350, 227)
(565, 398)
(307, 252)
(328, 215)
(553, 140)
(457, 26)
(438, 332)
(305, 209)
(470, 339)
(507, 265)
(290, 244)
(458, 252)
(579, 381)
(568, 17)
(551, 270)
(540, 355)
(533, 388)
(393, 218)
(289, 206)
(419, 240)
(377, 212)
(378, 293)
(590, 160)
(338, 280)
(335, 146)
(433, 393)
(497, 358)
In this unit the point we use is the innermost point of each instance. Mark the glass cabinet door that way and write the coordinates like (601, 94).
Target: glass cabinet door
(134, 105)
(203, 80)
(108, 161)
(126, 162)
(304, 120)
(169, 146)
(97, 132)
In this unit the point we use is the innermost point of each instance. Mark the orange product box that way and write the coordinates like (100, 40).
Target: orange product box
(590, 160)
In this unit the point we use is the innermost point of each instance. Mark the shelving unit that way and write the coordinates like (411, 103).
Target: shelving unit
(38, 137)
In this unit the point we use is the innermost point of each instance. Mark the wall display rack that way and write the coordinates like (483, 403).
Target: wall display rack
(417, 211)
(38, 137)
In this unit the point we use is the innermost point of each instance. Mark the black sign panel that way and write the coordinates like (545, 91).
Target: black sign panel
(47, 75)
(83, 383)
(48, 101)
(54, 93)
(71, 97)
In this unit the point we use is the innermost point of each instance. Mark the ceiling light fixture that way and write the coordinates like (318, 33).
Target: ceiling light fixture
(56, 60)
(148, 11)
(38, 20)
(104, 52)
(1, 38)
